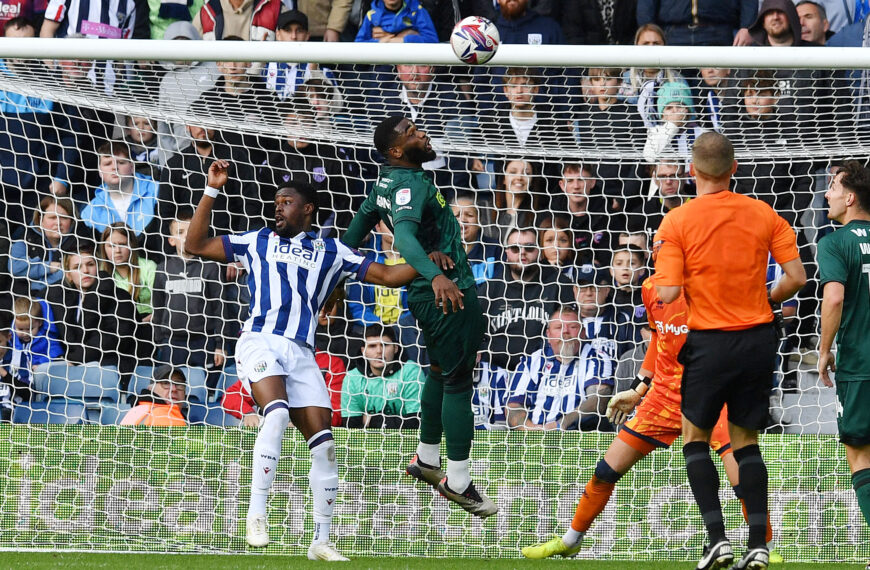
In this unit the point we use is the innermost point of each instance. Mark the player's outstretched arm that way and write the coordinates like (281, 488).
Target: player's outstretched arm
(832, 314)
(403, 273)
(197, 242)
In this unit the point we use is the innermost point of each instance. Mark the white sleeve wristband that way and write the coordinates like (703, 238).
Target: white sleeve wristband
(211, 191)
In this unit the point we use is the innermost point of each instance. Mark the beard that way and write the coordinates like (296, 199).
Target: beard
(513, 10)
(420, 155)
(569, 349)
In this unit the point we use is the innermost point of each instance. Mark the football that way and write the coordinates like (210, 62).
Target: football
(474, 40)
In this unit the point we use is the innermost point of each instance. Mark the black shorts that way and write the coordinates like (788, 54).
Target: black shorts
(728, 367)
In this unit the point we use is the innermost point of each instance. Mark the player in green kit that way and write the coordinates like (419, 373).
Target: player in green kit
(443, 302)
(844, 266)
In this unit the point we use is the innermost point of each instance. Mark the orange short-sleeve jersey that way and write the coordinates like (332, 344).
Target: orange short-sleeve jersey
(668, 323)
(716, 247)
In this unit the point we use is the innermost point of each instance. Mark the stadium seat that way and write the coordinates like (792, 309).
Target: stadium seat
(88, 382)
(49, 412)
(197, 394)
(216, 416)
(228, 377)
(141, 378)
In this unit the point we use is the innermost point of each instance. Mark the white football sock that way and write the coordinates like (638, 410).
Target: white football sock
(267, 451)
(458, 476)
(429, 453)
(572, 537)
(323, 479)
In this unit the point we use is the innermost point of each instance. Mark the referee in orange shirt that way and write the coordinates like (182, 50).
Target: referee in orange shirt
(716, 248)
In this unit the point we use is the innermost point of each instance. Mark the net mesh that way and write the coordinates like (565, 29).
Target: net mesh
(589, 160)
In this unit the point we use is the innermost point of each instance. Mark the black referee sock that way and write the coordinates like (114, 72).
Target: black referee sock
(753, 486)
(704, 480)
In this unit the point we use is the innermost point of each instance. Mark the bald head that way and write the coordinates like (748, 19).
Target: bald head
(713, 155)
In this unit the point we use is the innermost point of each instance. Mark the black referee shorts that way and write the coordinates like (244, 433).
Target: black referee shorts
(728, 367)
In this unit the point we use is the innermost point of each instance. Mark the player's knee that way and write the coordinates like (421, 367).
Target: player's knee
(322, 446)
(606, 473)
(276, 416)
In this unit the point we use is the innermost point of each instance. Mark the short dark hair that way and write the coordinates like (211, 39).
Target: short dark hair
(385, 133)
(114, 148)
(856, 178)
(20, 22)
(184, 214)
(823, 14)
(378, 330)
(304, 189)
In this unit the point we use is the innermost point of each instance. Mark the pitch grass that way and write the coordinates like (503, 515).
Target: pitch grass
(217, 562)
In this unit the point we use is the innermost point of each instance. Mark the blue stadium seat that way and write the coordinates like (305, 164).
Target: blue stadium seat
(197, 394)
(141, 378)
(56, 411)
(228, 377)
(88, 382)
(217, 417)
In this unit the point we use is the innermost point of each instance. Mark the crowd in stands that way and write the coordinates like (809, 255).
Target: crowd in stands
(96, 205)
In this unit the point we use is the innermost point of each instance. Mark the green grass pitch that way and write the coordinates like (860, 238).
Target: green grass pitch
(218, 562)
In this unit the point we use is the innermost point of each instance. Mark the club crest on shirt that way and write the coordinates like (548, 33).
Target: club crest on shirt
(403, 196)
(289, 252)
(392, 389)
(260, 367)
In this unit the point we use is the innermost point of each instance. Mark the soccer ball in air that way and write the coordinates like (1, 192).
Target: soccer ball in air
(474, 40)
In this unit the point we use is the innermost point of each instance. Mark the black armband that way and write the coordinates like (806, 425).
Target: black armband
(641, 384)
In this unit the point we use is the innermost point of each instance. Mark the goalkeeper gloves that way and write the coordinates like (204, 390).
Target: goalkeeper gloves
(623, 403)
(778, 319)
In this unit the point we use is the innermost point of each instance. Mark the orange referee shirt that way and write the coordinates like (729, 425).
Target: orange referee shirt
(716, 247)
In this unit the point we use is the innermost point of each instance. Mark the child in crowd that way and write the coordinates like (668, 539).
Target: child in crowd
(188, 304)
(35, 341)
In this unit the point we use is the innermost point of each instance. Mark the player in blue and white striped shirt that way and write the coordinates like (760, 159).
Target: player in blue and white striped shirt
(291, 274)
(566, 378)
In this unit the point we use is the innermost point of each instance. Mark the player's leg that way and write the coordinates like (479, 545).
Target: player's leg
(311, 413)
(270, 394)
(653, 426)
(754, 351)
(314, 424)
(854, 427)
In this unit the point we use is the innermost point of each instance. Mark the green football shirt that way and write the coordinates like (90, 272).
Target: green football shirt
(844, 257)
(402, 193)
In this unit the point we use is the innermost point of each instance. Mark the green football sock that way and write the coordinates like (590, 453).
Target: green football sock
(861, 484)
(458, 422)
(430, 409)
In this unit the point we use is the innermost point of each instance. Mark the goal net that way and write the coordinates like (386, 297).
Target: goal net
(559, 166)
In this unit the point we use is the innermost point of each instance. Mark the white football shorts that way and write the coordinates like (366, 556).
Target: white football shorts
(259, 355)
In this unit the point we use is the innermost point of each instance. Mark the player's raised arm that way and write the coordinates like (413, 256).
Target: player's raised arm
(197, 243)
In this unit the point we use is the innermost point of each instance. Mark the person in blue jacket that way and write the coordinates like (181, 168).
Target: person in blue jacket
(35, 341)
(124, 196)
(397, 21)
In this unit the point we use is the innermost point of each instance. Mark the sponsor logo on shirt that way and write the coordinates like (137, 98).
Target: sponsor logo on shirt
(671, 329)
(293, 253)
(403, 196)
(384, 203)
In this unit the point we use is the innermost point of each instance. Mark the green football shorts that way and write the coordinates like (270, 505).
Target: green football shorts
(853, 414)
(452, 340)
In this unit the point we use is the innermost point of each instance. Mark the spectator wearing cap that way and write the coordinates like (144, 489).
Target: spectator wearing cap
(159, 405)
(610, 331)
(518, 306)
(701, 23)
(185, 81)
(327, 18)
(397, 21)
(668, 114)
(284, 78)
(164, 13)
